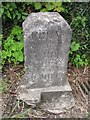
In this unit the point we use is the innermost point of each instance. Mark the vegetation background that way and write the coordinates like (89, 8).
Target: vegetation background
(14, 13)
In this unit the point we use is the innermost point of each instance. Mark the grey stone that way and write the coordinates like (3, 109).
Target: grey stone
(47, 39)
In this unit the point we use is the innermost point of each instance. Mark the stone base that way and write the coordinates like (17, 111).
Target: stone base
(53, 99)
(59, 102)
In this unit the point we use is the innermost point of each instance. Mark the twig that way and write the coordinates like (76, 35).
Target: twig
(13, 109)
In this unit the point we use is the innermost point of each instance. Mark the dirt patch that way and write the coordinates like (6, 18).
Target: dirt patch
(12, 108)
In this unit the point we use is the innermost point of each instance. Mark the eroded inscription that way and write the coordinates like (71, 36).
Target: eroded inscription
(44, 54)
(45, 59)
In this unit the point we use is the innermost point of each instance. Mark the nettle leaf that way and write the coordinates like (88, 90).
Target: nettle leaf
(19, 46)
(37, 6)
(4, 54)
(19, 37)
(16, 30)
(8, 42)
(20, 57)
(15, 55)
(75, 46)
(78, 57)
(14, 60)
(13, 47)
(9, 53)
(49, 6)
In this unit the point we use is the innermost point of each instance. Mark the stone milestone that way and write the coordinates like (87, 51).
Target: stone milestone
(47, 39)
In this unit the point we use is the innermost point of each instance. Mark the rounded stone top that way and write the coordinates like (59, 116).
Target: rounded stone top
(45, 21)
(44, 18)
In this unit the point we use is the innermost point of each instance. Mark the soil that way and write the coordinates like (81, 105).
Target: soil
(13, 108)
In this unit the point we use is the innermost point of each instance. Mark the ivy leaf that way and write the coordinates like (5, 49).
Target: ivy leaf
(78, 18)
(44, 10)
(14, 15)
(83, 24)
(75, 46)
(37, 6)
(23, 17)
(59, 9)
(10, 8)
(84, 56)
(1, 11)
(24, 13)
(13, 5)
(0, 43)
(9, 15)
(49, 6)
(18, 16)
(8, 5)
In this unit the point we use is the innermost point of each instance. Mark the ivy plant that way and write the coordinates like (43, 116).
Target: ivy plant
(48, 6)
(76, 57)
(12, 11)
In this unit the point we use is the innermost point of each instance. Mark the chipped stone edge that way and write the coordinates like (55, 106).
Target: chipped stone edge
(33, 96)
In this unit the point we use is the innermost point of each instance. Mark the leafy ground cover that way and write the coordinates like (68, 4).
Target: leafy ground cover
(76, 14)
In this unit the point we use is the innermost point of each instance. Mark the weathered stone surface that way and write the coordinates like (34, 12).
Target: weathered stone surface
(47, 39)
(59, 102)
